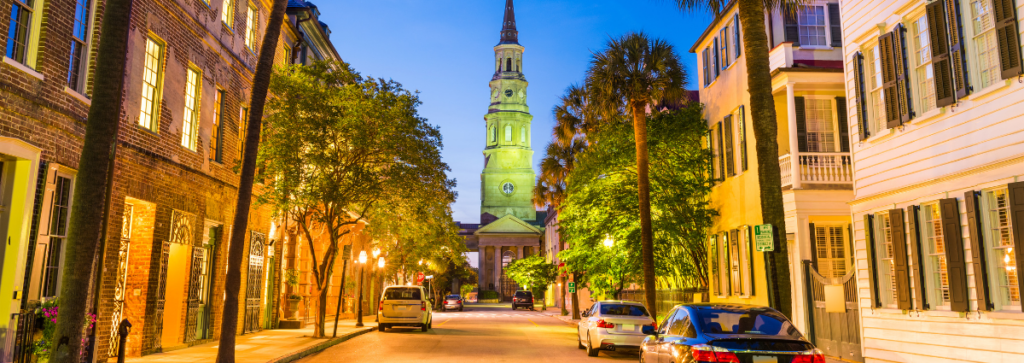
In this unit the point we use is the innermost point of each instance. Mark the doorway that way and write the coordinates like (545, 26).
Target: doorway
(178, 260)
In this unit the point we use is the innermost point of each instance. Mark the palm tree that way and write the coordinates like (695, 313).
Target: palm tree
(260, 84)
(762, 112)
(92, 183)
(631, 76)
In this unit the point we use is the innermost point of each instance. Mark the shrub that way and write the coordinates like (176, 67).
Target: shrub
(488, 295)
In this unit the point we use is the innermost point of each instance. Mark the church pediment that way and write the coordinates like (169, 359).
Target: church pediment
(508, 224)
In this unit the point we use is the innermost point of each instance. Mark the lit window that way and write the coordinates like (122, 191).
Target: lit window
(735, 280)
(884, 262)
(60, 202)
(923, 56)
(830, 248)
(508, 133)
(152, 79)
(522, 135)
(935, 254)
(811, 20)
(820, 128)
(228, 16)
(876, 99)
(1004, 262)
(985, 42)
(242, 126)
(251, 24)
(217, 133)
(716, 282)
(22, 12)
(190, 125)
(79, 46)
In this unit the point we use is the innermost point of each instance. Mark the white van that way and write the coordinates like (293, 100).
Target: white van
(404, 306)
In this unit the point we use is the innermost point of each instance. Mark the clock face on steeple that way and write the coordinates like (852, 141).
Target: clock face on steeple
(508, 188)
(508, 92)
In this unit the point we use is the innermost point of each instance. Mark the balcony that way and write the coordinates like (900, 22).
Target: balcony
(784, 55)
(816, 168)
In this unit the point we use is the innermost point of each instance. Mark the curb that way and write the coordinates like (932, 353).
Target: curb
(322, 346)
(566, 319)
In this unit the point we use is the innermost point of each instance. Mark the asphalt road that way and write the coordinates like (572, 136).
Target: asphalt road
(492, 333)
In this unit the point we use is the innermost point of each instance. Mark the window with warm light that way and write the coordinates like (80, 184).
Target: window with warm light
(985, 45)
(935, 255)
(923, 62)
(1003, 266)
(228, 16)
(217, 132)
(190, 123)
(152, 81)
(251, 24)
(884, 262)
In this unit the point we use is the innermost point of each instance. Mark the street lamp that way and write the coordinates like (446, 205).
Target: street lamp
(376, 252)
(380, 262)
(608, 242)
(362, 263)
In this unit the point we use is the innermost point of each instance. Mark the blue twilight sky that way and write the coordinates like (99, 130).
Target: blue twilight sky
(443, 48)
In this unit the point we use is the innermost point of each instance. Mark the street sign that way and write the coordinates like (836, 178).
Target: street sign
(763, 239)
(346, 252)
(572, 287)
(420, 277)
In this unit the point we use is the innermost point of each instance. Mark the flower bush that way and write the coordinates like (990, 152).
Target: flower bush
(47, 312)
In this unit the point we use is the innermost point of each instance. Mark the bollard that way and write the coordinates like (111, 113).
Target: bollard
(122, 332)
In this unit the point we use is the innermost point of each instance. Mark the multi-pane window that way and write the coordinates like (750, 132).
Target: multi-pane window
(716, 282)
(152, 79)
(228, 16)
(251, 24)
(190, 125)
(723, 263)
(985, 44)
(724, 35)
(1004, 261)
(811, 21)
(876, 97)
(22, 12)
(79, 46)
(830, 248)
(734, 263)
(58, 232)
(884, 259)
(522, 135)
(820, 125)
(217, 133)
(935, 254)
(508, 133)
(716, 152)
(923, 57)
(242, 126)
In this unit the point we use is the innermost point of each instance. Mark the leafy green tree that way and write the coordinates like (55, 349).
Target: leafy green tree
(339, 149)
(762, 114)
(633, 75)
(533, 273)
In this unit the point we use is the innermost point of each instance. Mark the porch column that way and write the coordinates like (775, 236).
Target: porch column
(794, 143)
(497, 267)
(519, 252)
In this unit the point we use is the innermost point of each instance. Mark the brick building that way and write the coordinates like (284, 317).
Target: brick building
(187, 82)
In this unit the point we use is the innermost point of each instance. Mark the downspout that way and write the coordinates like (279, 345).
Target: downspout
(302, 38)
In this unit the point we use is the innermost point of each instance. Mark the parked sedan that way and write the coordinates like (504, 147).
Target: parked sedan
(727, 333)
(452, 302)
(613, 325)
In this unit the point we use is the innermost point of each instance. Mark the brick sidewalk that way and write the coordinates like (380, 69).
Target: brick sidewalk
(278, 345)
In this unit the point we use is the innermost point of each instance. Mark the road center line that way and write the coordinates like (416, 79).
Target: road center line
(534, 323)
(442, 323)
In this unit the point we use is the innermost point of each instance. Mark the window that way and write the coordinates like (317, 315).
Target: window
(251, 24)
(716, 60)
(741, 128)
(152, 81)
(884, 262)
(820, 125)
(876, 97)
(18, 37)
(242, 126)
(729, 146)
(923, 62)
(681, 325)
(716, 151)
(736, 30)
(716, 282)
(1003, 268)
(746, 246)
(190, 123)
(705, 62)
(985, 44)
(60, 202)
(935, 254)
(228, 16)
(724, 35)
(743, 320)
(508, 133)
(217, 133)
(830, 248)
(522, 135)
(79, 46)
(811, 20)
(723, 263)
(734, 263)
(508, 64)
(494, 134)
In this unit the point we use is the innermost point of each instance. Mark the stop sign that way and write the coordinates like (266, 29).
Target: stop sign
(420, 277)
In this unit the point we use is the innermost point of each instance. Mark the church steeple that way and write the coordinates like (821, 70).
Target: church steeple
(509, 35)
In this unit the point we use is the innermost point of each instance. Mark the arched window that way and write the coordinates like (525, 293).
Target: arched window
(508, 133)
(508, 64)
(494, 134)
(522, 135)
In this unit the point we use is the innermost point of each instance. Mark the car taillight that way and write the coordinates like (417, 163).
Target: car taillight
(810, 356)
(710, 354)
(423, 306)
(380, 306)
(653, 324)
(604, 324)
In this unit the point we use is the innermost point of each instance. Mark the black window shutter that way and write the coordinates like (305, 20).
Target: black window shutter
(801, 125)
(835, 25)
(814, 247)
(860, 96)
(721, 152)
(741, 126)
(739, 38)
(892, 101)
(957, 49)
(792, 28)
(730, 156)
(750, 258)
(938, 33)
(844, 125)
(974, 229)
(899, 258)
(717, 63)
(916, 256)
(726, 257)
(869, 237)
(1008, 37)
(705, 67)
(900, 61)
(956, 267)
(1016, 195)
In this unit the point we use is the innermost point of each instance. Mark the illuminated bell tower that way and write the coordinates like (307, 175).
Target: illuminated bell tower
(508, 178)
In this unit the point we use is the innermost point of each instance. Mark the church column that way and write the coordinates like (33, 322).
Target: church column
(519, 252)
(497, 267)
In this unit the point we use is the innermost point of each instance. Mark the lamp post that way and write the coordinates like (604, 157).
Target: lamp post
(362, 267)
(380, 265)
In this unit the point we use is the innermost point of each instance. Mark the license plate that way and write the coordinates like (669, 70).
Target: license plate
(764, 359)
(626, 327)
(400, 308)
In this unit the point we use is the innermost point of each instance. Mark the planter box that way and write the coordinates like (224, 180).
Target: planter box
(490, 301)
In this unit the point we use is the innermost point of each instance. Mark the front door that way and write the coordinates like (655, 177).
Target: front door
(254, 283)
(837, 334)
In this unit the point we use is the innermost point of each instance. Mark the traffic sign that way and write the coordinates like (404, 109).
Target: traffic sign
(764, 241)
(420, 277)
(572, 287)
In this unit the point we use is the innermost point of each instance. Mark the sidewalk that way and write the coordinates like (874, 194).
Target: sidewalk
(277, 346)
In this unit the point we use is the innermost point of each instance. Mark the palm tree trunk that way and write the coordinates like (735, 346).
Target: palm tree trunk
(762, 106)
(84, 234)
(576, 299)
(644, 188)
(260, 84)
(561, 286)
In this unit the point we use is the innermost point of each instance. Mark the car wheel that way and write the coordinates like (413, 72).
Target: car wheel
(381, 327)
(591, 351)
(460, 308)
(423, 327)
(579, 342)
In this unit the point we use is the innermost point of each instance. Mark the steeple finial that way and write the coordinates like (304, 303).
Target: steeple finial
(509, 35)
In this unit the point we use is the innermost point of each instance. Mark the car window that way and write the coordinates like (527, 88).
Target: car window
(746, 321)
(523, 294)
(452, 297)
(402, 293)
(681, 325)
(623, 309)
(664, 324)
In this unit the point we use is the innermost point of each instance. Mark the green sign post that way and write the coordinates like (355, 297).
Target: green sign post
(572, 287)
(763, 238)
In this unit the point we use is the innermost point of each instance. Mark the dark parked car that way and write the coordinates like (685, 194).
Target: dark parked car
(522, 299)
(727, 333)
